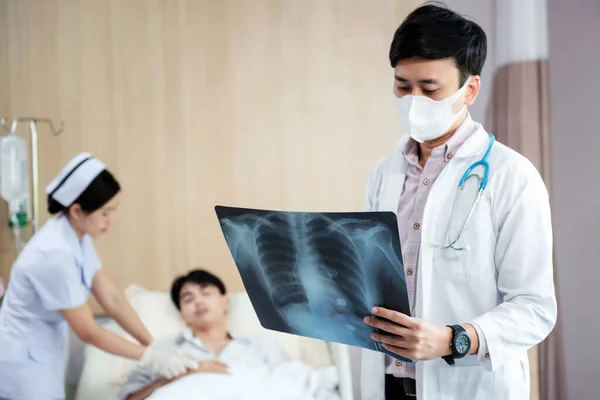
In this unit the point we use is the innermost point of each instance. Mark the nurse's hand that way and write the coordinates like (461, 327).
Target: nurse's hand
(168, 360)
(410, 337)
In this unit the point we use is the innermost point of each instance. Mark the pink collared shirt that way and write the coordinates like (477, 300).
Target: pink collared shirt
(411, 206)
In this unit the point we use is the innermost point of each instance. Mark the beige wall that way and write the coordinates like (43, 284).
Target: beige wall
(268, 104)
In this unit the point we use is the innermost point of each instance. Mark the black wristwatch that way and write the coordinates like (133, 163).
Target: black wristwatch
(460, 344)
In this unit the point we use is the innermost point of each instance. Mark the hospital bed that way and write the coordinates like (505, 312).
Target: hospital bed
(102, 373)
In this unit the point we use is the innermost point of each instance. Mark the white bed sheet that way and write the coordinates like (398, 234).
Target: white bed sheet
(289, 381)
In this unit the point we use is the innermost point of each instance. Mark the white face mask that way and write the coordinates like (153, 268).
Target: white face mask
(426, 119)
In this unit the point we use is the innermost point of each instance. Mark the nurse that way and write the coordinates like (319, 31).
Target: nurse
(49, 286)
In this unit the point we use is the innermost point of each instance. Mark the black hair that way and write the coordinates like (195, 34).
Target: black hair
(99, 192)
(434, 32)
(197, 276)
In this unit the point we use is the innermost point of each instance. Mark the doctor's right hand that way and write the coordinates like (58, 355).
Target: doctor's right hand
(168, 360)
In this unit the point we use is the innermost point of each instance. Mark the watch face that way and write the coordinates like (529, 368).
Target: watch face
(462, 343)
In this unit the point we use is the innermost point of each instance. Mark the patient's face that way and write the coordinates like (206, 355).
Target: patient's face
(202, 305)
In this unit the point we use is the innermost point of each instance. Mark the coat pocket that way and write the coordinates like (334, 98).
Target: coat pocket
(455, 264)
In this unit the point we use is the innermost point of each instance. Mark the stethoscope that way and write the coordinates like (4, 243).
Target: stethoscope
(483, 180)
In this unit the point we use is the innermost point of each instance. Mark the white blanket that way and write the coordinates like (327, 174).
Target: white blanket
(288, 381)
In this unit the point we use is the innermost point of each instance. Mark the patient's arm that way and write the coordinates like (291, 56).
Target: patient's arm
(117, 306)
(146, 391)
(140, 383)
(141, 377)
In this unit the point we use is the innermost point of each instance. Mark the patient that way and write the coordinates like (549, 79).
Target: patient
(202, 302)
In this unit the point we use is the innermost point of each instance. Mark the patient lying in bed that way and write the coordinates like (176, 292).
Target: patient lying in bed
(244, 367)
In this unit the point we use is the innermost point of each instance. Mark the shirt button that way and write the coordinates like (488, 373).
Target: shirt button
(398, 363)
(487, 355)
(409, 271)
(426, 182)
(416, 225)
(449, 155)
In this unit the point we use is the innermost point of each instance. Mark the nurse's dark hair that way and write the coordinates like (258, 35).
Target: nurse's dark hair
(197, 276)
(434, 32)
(99, 192)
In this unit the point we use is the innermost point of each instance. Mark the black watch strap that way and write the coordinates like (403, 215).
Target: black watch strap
(449, 359)
(456, 329)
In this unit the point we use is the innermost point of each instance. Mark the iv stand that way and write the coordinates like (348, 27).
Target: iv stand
(33, 136)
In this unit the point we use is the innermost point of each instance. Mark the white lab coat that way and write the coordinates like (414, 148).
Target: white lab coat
(53, 272)
(503, 281)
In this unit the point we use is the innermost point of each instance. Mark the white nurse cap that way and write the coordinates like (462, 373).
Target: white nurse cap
(74, 178)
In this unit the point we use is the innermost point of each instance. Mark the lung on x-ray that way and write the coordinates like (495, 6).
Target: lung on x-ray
(318, 274)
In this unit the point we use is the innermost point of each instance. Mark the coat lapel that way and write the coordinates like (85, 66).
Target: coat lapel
(393, 177)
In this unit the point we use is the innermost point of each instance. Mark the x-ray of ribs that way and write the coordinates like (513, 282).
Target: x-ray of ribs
(307, 266)
(310, 261)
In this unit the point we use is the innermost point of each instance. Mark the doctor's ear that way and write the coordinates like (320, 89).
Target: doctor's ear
(472, 89)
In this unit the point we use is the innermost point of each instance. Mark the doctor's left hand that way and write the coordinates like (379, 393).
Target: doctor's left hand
(410, 337)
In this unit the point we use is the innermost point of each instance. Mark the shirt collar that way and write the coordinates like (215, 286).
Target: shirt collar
(448, 149)
(71, 237)
(188, 336)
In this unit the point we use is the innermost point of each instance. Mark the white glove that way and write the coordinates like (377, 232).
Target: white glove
(168, 360)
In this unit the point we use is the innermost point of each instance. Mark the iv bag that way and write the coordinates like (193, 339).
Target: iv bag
(13, 170)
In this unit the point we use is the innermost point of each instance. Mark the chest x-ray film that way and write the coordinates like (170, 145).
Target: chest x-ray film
(318, 274)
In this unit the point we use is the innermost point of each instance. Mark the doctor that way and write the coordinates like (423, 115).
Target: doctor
(50, 284)
(480, 289)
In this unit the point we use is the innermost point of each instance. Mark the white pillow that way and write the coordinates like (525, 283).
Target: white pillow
(156, 310)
